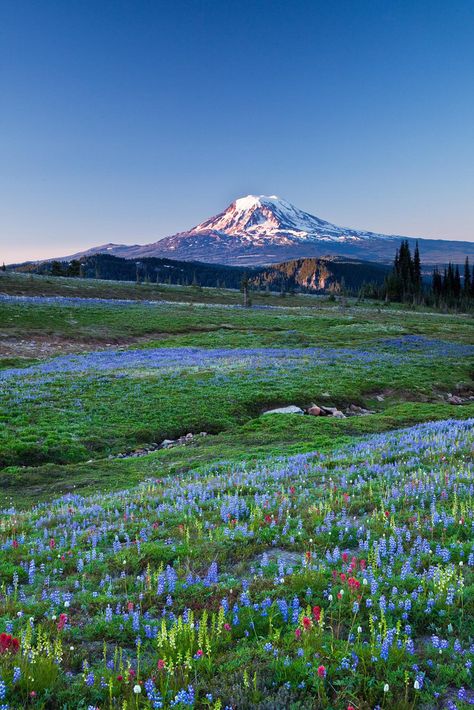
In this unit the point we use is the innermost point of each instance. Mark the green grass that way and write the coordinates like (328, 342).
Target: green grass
(252, 441)
(76, 418)
(61, 433)
(319, 581)
(19, 284)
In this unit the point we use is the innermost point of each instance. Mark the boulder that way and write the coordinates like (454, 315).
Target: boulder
(454, 399)
(167, 443)
(292, 409)
(315, 411)
(333, 412)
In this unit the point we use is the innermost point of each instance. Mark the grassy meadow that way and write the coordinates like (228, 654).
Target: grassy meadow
(272, 561)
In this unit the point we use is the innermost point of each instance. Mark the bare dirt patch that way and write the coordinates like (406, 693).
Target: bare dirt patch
(44, 346)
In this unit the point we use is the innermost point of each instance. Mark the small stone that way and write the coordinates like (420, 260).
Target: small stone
(355, 409)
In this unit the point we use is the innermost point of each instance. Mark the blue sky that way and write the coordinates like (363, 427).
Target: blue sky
(128, 121)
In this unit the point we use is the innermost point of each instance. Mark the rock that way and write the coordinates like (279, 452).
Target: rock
(189, 436)
(292, 409)
(380, 398)
(355, 409)
(325, 394)
(203, 433)
(315, 411)
(333, 412)
(454, 399)
(167, 443)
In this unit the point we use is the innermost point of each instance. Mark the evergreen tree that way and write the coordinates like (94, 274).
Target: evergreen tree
(73, 268)
(56, 268)
(437, 285)
(467, 279)
(457, 284)
(448, 282)
(404, 283)
(417, 272)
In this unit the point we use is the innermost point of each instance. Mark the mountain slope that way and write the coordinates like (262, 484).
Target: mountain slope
(309, 275)
(256, 230)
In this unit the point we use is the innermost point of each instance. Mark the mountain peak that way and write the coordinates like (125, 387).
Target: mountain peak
(262, 216)
(251, 201)
(263, 229)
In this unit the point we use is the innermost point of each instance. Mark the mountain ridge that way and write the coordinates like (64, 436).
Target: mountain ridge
(310, 275)
(260, 229)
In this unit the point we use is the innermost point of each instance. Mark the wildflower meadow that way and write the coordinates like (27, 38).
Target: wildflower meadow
(279, 561)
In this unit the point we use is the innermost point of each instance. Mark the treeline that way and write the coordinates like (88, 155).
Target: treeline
(405, 284)
(445, 288)
(450, 290)
(311, 275)
(148, 270)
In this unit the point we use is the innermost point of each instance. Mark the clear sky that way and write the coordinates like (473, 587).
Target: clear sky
(127, 121)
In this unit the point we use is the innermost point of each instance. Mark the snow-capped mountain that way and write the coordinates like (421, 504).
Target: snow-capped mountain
(270, 219)
(262, 230)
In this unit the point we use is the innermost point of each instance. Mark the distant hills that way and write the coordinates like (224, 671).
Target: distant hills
(310, 275)
(259, 230)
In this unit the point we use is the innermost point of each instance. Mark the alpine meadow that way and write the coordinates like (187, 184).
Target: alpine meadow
(236, 458)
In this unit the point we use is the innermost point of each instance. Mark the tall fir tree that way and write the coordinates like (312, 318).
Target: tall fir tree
(417, 272)
(467, 279)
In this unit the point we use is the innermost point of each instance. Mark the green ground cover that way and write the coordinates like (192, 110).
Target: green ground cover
(252, 441)
(337, 580)
(254, 530)
(62, 419)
